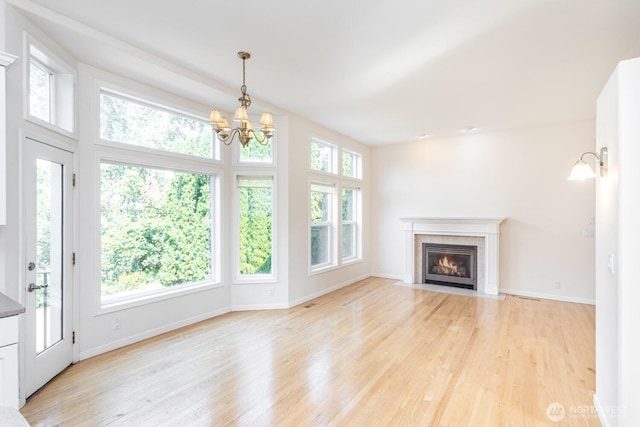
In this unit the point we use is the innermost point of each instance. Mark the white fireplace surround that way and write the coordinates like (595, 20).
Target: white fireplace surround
(488, 229)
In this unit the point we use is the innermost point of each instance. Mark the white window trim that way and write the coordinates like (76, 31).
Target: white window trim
(272, 278)
(59, 68)
(148, 297)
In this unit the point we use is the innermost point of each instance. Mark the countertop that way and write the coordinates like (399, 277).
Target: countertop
(9, 307)
(10, 417)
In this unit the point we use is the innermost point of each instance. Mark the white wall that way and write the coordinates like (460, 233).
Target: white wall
(518, 174)
(618, 212)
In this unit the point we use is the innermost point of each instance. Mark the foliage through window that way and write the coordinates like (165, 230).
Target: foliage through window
(351, 164)
(323, 156)
(350, 238)
(137, 123)
(255, 203)
(51, 90)
(40, 88)
(255, 152)
(322, 200)
(156, 229)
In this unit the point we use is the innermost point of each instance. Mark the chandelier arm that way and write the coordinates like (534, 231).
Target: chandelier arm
(259, 137)
(228, 139)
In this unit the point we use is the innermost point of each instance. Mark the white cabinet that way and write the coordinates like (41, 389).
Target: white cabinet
(9, 361)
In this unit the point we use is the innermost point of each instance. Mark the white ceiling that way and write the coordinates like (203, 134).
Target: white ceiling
(379, 71)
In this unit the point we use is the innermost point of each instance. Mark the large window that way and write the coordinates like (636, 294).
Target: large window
(136, 122)
(255, 212)
(155, 229)
(51, 89)
(322, 229)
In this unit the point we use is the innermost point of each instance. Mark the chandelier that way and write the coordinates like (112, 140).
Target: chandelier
(244, 131)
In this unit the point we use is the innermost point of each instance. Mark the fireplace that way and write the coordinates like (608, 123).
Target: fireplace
(450, 265)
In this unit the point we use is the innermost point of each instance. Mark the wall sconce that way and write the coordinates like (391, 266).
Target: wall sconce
(581, 170)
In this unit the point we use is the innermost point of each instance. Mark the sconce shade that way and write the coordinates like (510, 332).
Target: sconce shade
(581, 170)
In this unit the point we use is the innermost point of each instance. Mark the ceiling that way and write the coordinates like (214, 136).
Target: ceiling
(379, 71)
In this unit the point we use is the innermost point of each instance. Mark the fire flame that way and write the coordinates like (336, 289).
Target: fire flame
(448, 268)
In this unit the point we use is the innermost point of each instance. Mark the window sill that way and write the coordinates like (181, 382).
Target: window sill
(150, 298)
(322, 269)
(259, 280)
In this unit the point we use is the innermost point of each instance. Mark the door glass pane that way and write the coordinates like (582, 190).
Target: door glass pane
(48, 254)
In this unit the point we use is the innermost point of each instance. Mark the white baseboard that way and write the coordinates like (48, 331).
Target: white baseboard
(602, 414)
(387, 276)
(250, 307)
(327, 291)
(547, 296)
(85, 354)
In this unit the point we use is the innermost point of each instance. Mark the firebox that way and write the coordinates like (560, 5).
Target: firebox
(450, 265)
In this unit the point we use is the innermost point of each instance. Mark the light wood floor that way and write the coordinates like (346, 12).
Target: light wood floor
(373, 353)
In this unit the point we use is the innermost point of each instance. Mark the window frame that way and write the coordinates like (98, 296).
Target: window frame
(330, 224)
(357, 164)
(145, 157)
(238, 278)
(357, 225)
(63, 97)
(161, 105)
(237, 161)
(333, 157)
(339, 181)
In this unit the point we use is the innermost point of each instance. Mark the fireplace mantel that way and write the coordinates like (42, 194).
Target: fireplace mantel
(488, 228)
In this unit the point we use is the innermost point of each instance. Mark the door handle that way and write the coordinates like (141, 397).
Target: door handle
(32, 287)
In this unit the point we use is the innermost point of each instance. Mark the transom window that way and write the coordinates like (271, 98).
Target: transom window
(135, 122)
(351, 164)
(323, 156)
(51, 89)
(41, 91)
(256, 153)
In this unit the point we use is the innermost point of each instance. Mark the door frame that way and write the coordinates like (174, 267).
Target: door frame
(56, 141)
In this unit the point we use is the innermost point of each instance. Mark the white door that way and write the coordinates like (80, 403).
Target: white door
(48, 219)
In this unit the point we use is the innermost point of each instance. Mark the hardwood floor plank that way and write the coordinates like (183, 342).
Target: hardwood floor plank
(370, 354)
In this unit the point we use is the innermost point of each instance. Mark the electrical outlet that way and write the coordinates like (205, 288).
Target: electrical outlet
(116, 323)
(588, 232)
(270, 291)
(610, 263)
(556, 284)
